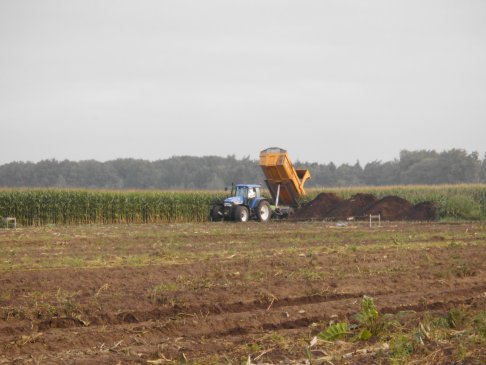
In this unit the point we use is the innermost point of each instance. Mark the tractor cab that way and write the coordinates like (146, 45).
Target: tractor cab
(243, 194)
(247, 192)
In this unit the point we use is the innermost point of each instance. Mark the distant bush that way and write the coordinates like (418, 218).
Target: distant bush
(460, 207)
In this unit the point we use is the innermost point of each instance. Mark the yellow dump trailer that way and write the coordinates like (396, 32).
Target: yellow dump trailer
(286, 184)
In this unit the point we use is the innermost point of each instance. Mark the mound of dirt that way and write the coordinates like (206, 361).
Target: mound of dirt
(356, 206)
(425, 211)
(319, 207)
(391, 208)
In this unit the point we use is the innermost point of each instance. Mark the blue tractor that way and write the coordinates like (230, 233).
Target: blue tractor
(245, 203)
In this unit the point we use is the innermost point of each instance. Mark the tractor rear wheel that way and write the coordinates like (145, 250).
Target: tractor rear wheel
(264, 211)
(241, 213)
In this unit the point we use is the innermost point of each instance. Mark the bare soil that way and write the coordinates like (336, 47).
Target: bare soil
(391, 208)
(218, 293)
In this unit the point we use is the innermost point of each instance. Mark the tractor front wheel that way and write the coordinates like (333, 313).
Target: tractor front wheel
(241, 213)
(216, 213)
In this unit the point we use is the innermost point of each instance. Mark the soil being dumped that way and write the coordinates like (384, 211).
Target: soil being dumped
(391, 208)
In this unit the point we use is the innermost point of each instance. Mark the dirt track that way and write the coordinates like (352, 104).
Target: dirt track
(218, 293)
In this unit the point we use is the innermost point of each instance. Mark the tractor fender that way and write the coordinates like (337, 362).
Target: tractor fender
(256, 201)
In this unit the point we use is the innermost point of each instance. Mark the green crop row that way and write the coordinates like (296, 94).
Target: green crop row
(57, 206)
(54, 206)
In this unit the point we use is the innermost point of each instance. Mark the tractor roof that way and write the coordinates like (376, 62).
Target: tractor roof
(249, 185)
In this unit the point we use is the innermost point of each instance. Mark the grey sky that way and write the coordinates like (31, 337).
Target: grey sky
(327, 80)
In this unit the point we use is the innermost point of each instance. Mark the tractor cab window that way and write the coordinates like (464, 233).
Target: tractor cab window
(242, 191)
(247, 192)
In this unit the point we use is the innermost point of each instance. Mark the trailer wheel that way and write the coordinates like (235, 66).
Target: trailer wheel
(263, 211)
(215, 213)
(241, 213)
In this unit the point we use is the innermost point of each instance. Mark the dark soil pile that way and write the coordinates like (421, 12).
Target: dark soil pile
(319, 207)
(391, 208)
(425, 211)
(358, 205)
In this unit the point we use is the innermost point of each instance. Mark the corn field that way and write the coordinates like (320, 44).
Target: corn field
(67, 207)
(54, 206)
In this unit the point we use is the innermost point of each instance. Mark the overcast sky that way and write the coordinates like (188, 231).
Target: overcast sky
(327, 80)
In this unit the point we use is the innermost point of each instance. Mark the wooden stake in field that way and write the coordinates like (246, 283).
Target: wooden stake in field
(378, 217)
(12, 220)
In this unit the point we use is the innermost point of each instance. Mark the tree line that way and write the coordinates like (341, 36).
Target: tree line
(211, 172)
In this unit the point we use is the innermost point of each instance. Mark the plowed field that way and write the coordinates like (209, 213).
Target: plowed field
(224, 293)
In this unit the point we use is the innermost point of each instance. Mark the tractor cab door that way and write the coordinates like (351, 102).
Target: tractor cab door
(254, 196)
(242, 192)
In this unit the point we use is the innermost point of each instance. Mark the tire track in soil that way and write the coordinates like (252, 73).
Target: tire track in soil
(262, 310)
(322, 311)
(240, 325)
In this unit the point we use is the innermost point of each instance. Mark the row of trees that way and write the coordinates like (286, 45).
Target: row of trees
(211, 172)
